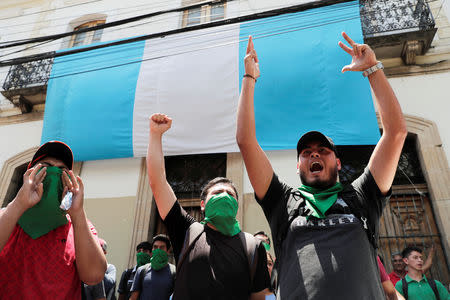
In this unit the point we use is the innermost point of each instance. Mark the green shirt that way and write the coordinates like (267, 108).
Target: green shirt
(421, 290)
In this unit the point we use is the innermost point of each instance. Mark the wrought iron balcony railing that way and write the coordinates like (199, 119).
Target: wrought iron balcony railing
(386, 17)
(28, 75)
(397, 28)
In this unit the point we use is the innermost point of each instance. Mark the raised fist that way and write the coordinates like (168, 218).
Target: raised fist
(160, 123)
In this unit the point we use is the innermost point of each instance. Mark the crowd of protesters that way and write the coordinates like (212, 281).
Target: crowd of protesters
(325, 235)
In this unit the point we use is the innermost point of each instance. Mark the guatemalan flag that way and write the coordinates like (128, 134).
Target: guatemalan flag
(99, 101)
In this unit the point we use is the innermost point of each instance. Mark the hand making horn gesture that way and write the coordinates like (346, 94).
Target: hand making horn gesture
(251, 61)
(363, 56)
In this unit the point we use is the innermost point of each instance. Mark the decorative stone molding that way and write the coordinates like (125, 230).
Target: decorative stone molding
(410, 50)
(142, 213)
(22, 103)
(18, 117)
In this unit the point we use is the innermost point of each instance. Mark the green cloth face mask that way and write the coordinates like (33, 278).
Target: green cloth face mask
(221, 211)
(159, 259)
(142, 258)
(319, 200)
(266, 246)
(46, 214)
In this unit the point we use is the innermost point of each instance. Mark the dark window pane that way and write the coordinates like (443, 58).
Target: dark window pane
(355, 158)
(187, 174)
(15, 184)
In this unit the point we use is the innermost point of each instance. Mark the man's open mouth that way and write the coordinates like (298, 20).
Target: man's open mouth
(316, 167)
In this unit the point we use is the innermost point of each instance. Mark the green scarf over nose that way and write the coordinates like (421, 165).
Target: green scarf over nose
(320, 200)
(221, 211)
(159, 259)
(46, 214)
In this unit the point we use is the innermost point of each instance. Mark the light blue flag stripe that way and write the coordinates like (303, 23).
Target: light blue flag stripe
(301, 87)
(93, 111)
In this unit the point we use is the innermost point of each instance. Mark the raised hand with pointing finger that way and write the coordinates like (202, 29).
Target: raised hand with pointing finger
(251, 61)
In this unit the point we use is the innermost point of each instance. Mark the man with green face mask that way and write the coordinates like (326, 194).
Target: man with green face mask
(47, 244)
(155, 280)
(212, 261)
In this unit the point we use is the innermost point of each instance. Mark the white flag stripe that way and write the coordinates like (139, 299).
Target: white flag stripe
(199, 90)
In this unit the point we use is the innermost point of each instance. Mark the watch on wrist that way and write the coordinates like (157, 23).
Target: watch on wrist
(378, 66)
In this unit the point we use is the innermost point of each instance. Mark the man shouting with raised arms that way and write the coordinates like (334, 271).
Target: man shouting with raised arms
(325, 234)
(215, 259)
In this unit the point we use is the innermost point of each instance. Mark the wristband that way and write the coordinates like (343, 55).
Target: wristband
(378, 66)
(250, 76)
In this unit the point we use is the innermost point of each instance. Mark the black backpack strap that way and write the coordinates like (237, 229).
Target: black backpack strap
(405, 288)
(193, 233)
(296, 206)
(370, 226)
(433, 286)
(250, 244)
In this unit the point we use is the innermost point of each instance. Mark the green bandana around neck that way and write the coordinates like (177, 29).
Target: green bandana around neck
(159, 259)
(320, 200)
(142, 258)
(266, 246)
(46, 214)
(221, 211)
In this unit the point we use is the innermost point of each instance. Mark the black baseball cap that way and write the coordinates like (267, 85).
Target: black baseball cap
(56, 149)
(315, 136)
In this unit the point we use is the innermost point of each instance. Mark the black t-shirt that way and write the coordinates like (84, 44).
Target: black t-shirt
(126, 282)
(217, 266)
(328, 258)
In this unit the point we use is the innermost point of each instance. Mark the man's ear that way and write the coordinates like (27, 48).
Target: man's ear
(298, 167)
(338, 164)
(202, 205)
(405, 260)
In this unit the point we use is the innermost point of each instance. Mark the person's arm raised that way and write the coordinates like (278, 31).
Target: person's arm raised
(384, 159)
(258, 166)
(164, 195)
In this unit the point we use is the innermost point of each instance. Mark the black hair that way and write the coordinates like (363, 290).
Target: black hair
(144, 245)
(163, 238)
(407, 251)
(261, 232)
(215, 181)
(271, 257)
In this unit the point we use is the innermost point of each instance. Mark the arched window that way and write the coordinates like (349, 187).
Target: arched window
(86, 38)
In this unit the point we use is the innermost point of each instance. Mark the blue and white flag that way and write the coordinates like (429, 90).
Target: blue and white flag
(99, 101)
